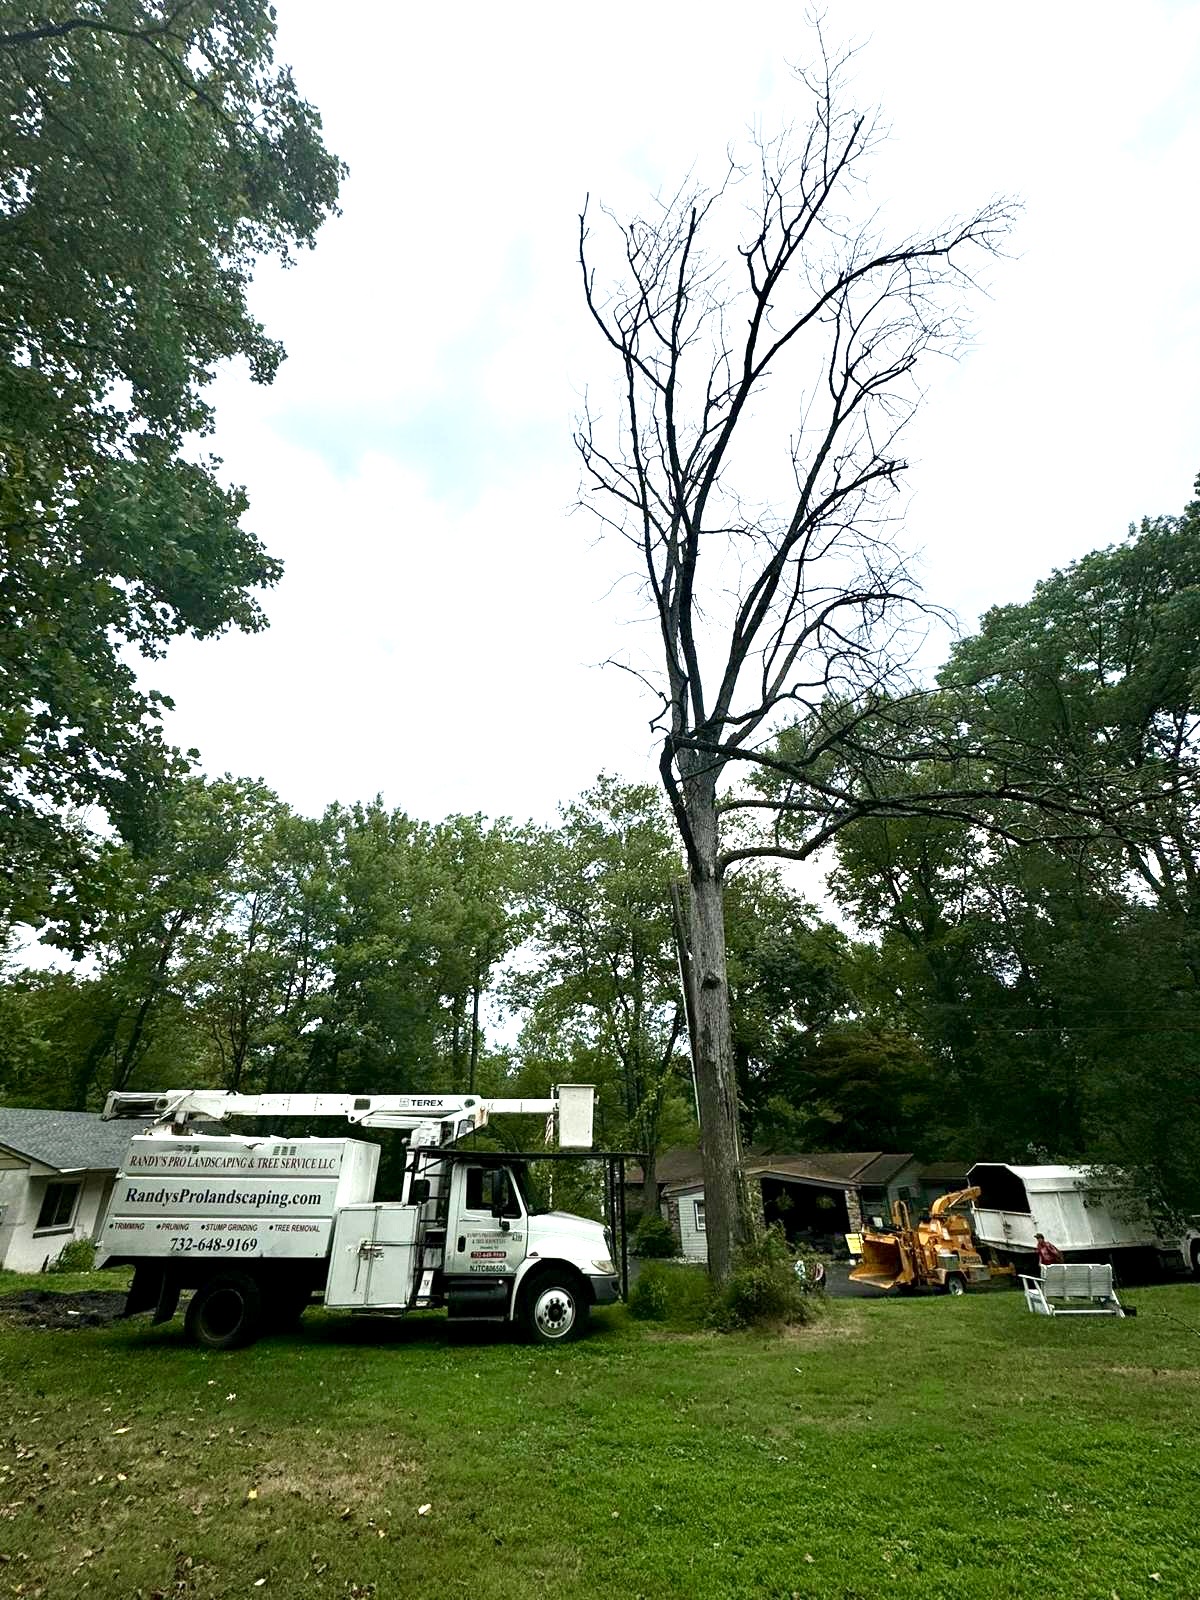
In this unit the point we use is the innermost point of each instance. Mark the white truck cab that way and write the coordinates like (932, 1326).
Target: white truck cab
(256, 1225)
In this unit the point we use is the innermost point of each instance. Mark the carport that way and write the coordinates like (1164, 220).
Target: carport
(811, 1210)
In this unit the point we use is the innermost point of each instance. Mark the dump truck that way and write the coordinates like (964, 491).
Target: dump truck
(937, 1252)
(256, 1225)
(1087, 1213)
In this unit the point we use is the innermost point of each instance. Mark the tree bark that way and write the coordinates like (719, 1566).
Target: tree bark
(650, 1183)
(729, 1221)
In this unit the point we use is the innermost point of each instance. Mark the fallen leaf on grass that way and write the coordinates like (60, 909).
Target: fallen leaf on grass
(251, 1494)
(423, 1511)
(120, 1430)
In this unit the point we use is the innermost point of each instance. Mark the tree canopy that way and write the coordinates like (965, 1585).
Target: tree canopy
(151, 152)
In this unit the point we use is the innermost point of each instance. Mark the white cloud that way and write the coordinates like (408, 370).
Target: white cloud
(436, 634)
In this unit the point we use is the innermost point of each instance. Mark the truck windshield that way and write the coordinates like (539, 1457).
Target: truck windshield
(529, 1188)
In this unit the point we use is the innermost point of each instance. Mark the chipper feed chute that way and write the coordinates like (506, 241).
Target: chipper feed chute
(884, 1262)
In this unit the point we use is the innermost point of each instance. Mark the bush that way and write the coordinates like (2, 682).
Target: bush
(77, 1256)
(654, 1239)
(763, 1289)
(678, 1296)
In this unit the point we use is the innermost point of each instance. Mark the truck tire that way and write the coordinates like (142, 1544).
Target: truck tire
(226, 1311)
(955, 1283)
(554, 1308)
(1195, 1263)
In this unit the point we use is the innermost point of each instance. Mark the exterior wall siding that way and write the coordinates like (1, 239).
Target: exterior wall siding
(22, 1247)
(693, 1240)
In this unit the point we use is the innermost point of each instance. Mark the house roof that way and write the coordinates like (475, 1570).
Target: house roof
(883, 1168)
(685, 1187)
(839, 1169)
(672, 1166)
(69, 1141)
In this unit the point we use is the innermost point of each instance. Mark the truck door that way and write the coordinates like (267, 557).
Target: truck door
(486, 1230)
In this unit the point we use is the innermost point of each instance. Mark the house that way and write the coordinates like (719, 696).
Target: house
(938, 1178)
(815, 1197)
(57, 1170)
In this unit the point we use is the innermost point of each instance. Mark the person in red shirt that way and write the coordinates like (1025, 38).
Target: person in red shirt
(1046, 1252)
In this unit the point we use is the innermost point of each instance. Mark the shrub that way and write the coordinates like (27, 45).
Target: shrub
(77, 1256)
(654, 1239)
(763, 1289)
(678, 1296)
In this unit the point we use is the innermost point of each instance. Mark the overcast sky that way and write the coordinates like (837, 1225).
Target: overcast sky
(438, 633)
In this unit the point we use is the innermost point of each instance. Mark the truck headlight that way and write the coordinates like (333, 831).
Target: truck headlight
(604, 1268)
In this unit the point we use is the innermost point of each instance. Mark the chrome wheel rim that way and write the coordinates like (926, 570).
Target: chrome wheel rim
(554, 1313)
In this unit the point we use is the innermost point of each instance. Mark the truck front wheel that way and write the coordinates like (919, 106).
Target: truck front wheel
(553, 1308)
(226, 1312)
(955, 1283)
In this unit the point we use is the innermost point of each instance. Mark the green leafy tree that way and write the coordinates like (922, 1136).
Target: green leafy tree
(1098, 675)
(164, 899)
(818, 1067)
(254, 976)
(483, 881)
(1055, 981)
(151, 151)
(599, 977)
(424, 916)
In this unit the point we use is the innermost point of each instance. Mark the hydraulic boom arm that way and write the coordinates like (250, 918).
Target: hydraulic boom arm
(439, 1118)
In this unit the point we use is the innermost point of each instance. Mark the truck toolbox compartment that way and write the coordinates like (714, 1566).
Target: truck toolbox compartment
(373, 1259)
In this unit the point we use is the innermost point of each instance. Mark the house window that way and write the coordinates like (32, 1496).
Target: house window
(58, 1206)
(699, 1204)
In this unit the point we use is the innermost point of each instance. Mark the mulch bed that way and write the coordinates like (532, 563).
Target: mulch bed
(41, 1308)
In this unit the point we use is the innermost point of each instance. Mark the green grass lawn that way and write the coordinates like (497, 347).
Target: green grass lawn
(925, 1447)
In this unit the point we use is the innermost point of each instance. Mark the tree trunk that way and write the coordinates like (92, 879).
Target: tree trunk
(475, 992)
(728, 1216)
(650, 1184)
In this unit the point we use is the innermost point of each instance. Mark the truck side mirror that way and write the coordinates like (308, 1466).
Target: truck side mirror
(499, 1194)
(418, 1192)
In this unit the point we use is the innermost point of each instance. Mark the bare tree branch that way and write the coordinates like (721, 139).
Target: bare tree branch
(777, 601)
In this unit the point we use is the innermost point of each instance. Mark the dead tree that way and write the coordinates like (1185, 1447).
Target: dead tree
(768, 372)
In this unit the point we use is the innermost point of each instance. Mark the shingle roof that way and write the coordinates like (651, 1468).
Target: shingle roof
(672, 1166)
(66, 1140)
(884, 1168)
(839, 1166)
(685, 1187)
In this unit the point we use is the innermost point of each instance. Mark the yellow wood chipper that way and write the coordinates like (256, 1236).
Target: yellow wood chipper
(938, 1252)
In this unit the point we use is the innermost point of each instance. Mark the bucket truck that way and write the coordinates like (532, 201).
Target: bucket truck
(255, 1225)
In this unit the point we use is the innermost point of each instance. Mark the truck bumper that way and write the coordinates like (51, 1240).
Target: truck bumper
(605, 1291)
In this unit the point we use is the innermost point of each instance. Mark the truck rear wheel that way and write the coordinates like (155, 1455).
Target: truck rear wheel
(553, 1308)
(226, 1312)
